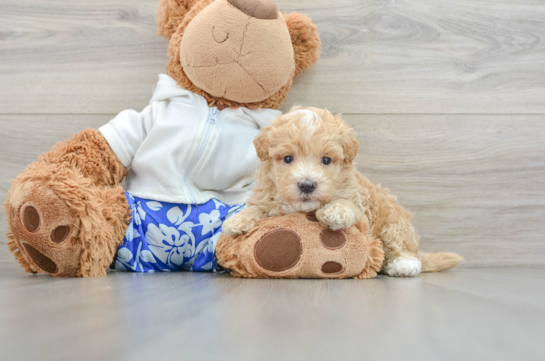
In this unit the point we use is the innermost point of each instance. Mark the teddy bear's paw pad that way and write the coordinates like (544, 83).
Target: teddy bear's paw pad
(312, 217)
(59, 234)
(33, 222)
(332, 239)
(404, 267)
(31, 219)
(278, 250)
(40, 259)
(331, 267)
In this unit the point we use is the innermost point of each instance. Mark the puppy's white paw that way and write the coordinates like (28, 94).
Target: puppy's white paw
(404, 267)
(336, 217)
(237, 225)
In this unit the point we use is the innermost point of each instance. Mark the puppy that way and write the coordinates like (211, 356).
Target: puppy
(306, 165)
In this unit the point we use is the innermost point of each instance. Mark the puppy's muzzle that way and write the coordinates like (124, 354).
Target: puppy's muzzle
(307, 186)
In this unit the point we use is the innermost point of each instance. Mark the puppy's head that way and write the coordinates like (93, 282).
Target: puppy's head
(311, 153)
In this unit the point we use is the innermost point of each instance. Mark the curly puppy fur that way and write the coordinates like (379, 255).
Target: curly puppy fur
(305, 39)
(311, 147)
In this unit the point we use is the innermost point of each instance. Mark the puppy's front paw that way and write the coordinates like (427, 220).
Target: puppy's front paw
(238, 225)
(336, 217)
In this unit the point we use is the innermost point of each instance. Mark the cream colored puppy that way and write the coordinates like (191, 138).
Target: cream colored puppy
(307, 166)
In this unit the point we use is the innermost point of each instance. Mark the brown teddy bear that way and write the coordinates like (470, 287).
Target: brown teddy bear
(189, 152)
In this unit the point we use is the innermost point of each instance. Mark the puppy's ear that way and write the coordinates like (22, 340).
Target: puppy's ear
(262, 144)
(350, 145)
(305, 40)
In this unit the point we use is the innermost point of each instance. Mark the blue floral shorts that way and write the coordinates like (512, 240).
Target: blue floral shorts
(172, 237)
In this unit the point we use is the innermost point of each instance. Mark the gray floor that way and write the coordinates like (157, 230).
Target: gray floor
(464, 314)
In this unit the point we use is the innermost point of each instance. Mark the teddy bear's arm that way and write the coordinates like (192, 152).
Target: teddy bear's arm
(90, 153)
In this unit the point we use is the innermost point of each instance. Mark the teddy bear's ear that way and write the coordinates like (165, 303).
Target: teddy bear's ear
(171, 14)
(262, 144)
(305, 40)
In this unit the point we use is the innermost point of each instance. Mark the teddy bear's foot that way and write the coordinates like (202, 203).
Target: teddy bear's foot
(298, 246)
(404, 266)
(43, 230)
(63, 225)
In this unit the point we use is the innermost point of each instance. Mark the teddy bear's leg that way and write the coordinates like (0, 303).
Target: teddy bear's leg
(66, 213)
(66, 229)
(299, 246)
(375, 259)
(400, 243)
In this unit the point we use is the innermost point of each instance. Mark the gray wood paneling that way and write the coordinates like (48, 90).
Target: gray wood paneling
(475, 183)
(404, 56)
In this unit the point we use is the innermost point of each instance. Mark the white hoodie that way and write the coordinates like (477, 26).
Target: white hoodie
(181, 151)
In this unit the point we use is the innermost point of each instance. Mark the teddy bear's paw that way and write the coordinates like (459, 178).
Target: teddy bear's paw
(336, 217)
(43, 229)
(403, 267)
(238, 225)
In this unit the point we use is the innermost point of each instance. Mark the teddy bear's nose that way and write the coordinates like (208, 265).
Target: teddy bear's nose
(259, 9)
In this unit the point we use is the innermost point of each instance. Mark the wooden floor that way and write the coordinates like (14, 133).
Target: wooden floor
(448, 98)
(464, 314)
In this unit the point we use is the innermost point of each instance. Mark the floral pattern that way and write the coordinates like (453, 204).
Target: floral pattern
(172, 237)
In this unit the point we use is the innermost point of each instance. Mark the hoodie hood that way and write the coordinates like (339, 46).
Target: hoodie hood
(167, 88)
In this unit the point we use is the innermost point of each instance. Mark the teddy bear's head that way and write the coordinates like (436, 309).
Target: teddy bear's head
(236, 52)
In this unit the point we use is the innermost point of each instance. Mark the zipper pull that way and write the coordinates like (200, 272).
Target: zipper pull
(214, 113)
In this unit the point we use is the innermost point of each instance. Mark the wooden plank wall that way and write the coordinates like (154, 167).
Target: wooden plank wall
(448, 98)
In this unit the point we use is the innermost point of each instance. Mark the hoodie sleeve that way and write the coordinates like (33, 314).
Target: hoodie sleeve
(126, 132)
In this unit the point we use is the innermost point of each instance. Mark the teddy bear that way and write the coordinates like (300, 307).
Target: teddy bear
(187, 158)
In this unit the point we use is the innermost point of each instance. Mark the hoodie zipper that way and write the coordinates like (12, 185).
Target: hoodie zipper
(210, 123)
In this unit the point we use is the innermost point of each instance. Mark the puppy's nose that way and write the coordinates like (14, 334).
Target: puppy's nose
(259, 9)
(307, 186)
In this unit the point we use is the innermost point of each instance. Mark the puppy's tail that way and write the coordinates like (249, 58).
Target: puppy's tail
(437, 262)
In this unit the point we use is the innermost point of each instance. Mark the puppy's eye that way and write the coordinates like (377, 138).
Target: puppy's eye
(288, 159)
(326, 160)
